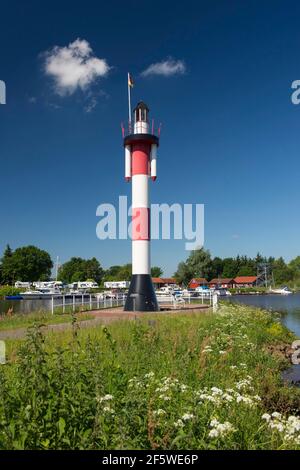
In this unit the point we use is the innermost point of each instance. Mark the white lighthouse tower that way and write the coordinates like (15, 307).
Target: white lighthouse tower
(140, 165)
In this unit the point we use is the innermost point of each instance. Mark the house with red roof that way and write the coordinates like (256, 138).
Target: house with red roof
(245, 281)
(226, 283)
(159, 282)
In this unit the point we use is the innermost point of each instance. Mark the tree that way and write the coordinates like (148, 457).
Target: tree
(246, 271)
(27, 263)
(217, 267)
(183, 275)
(7, 252)
(6, 257)
(125, 272)
(294, 264)
(79, 269)
(230, 268)
(198, 264)
(111, 273)
(118, 273)
(281, 272)
(156, 271)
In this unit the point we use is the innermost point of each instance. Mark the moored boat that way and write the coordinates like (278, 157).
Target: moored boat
(13, 297)
(282, 291)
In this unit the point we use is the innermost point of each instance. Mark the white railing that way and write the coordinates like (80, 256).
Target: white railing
(93, 303)
(177, 300)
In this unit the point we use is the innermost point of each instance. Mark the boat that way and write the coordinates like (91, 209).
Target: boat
(282, 291)
(222, 292)
(41, 294)
(203, 291)
(13, 297)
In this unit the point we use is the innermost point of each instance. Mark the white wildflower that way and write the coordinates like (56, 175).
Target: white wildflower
(107, 409)
(179, 423)
(266, 417)
(220, 429)
(105, 398)
(149, 375)
(213, 433)
(187, 416)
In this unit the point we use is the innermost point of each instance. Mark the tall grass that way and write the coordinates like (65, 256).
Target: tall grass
(177, 381)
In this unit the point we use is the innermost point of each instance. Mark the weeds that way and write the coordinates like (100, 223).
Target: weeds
(178, 382)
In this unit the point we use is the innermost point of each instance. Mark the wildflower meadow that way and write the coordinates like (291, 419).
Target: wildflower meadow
(166, 381)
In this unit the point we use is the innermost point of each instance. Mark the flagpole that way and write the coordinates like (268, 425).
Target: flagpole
(129, 102)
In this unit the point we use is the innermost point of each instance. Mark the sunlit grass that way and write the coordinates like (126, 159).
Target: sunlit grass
(162, 381)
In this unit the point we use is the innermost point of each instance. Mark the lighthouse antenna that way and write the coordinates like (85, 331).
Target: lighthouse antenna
(129, 100)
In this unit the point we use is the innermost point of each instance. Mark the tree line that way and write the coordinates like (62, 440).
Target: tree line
(200, 263)
(30, 264)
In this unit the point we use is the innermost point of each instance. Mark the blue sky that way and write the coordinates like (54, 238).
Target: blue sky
(230, 135)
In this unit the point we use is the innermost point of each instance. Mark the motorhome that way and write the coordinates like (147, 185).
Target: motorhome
(22, 285)
(117, 284)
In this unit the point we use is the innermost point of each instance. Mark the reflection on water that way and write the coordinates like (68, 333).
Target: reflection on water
(288, 305)
(292, 375)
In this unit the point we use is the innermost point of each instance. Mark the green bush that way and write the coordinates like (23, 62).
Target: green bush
(8, 290)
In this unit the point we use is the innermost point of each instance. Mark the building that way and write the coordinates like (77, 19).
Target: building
(197, 282)
(245, 281)
(22, 285)
(116, 284)
(226, 283)
(159, 282)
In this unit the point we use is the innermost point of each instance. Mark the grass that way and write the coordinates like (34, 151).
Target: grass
(174, 381)
(26, 320)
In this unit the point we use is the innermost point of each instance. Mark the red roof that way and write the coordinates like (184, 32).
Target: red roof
(163, 280)
(221, 281)
(200, 280)
(245, 279)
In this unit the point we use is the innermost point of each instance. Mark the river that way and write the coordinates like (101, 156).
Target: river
(287, 305)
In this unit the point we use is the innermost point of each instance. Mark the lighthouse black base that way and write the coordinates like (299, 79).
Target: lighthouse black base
(141, 296)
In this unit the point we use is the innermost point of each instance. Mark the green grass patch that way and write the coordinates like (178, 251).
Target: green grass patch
(166, 381)
(26, 320)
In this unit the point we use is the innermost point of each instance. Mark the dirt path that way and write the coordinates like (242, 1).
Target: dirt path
(101, 317)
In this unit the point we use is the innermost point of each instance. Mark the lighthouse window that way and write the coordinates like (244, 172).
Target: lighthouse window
(143, 115)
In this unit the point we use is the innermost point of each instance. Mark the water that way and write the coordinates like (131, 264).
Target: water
(289, 307)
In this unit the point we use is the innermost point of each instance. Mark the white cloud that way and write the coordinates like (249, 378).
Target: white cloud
(166, 68)
(74, 67)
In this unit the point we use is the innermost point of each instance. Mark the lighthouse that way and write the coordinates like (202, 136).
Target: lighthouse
(140, 168)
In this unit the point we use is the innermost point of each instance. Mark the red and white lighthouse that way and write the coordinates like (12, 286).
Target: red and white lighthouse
(140, 165)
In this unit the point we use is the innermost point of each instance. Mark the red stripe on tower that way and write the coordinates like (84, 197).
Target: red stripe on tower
(140, 158)
(140, 223)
